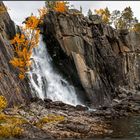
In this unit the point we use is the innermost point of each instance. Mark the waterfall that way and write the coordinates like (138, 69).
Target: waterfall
(47, 82)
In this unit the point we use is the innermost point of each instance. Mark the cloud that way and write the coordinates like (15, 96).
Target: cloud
(21, 9)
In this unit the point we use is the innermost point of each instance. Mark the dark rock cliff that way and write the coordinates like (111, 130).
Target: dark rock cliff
(15, 90)
(94, 57)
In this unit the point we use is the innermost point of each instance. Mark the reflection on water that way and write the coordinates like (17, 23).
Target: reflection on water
(128, 128)
(122, 129)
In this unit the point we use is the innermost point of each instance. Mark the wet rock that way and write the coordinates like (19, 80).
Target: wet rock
(123, 95)
(79, 128)
(81, 108)
(95, 19)
(47, 100)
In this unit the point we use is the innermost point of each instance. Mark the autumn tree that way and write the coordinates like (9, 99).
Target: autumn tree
(24, 43)
(59, 6)
(105, 14)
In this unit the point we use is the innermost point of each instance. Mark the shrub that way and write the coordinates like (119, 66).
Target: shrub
(3, 102)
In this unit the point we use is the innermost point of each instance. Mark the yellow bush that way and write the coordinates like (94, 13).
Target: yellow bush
(49, 119)
(32, 22)
(60, 6)
(9, 130)
(10, 126)
(104, 13)
(3, 102)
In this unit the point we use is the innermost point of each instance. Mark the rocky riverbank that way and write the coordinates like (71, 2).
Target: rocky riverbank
(47, 119)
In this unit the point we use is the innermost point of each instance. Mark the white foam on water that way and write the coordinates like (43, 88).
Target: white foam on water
(46, 81)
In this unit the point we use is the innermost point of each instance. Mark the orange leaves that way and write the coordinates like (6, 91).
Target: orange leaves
(23, 50)
(21, 76)
(32, 22)
(60, 6)
(23, 44)
(17, 62)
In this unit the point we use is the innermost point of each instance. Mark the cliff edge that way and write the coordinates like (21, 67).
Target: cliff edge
(94, 57)
(11, 87)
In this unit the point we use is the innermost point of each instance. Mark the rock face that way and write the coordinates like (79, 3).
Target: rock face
(94, 57)
(15, 90)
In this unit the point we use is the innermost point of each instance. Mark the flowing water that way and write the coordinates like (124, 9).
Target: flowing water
(46, 81)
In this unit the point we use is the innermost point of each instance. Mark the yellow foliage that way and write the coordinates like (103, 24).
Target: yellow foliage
(10, 126)
(49, 119)
(3, 102)
(21, 76)
(104, 13)
(23, 45)
(60, 6)
(32, 22)
(10, 131)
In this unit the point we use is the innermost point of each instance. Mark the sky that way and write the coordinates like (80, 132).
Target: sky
(19, 10)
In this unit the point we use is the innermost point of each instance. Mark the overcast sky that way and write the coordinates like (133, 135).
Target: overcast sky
(19, 10)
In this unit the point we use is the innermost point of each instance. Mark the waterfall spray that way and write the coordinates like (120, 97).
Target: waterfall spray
(46, 82)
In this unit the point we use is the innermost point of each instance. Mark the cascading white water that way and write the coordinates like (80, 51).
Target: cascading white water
(48, 83)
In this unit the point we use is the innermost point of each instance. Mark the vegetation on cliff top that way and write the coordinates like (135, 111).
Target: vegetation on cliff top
(119, 19)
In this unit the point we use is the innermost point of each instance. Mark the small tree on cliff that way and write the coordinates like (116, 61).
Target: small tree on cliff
(24, 43)
(59, 6)
(105, 14)
(124, 19)
(127, 16)
(89, 13)
(115, 17)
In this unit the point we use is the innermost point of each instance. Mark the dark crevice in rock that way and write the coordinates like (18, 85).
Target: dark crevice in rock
(97, 55)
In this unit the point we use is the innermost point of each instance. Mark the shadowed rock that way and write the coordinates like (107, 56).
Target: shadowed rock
(14, 89)
(93, 56)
